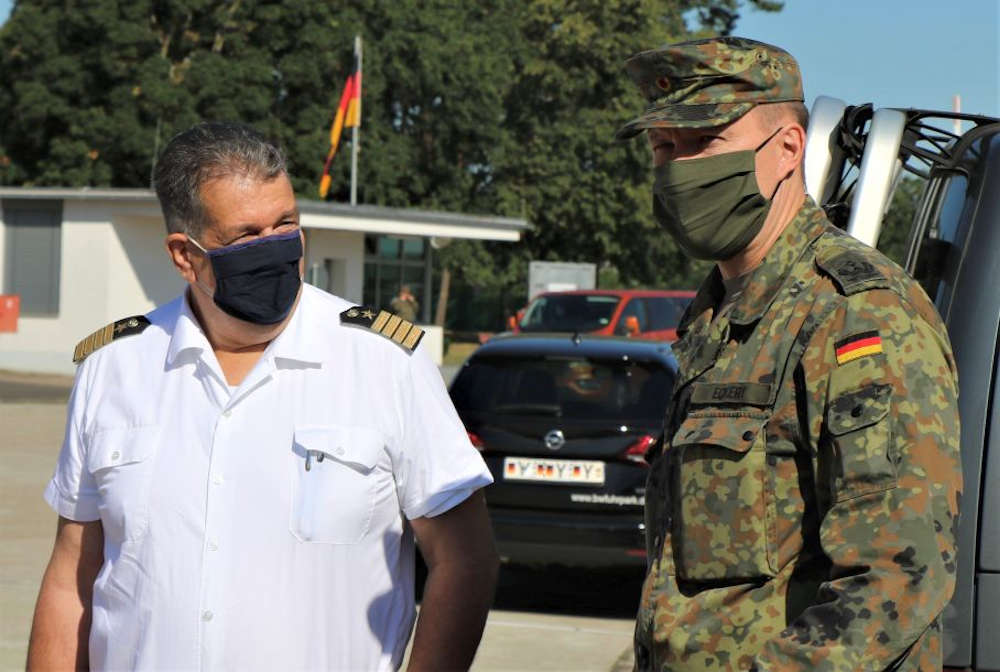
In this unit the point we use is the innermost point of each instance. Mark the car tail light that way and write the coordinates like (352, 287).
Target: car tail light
(637, 451)
(477, 442)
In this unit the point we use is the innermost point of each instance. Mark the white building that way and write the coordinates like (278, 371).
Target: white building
(81, 258)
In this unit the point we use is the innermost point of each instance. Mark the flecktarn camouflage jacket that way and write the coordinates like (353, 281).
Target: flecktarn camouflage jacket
(801, 514)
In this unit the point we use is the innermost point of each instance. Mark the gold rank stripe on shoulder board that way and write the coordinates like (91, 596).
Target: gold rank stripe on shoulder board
(126, 327)
(393, 327)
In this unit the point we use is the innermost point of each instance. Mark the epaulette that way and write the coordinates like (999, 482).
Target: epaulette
(393, 327)
(126, 327)
(851, 268)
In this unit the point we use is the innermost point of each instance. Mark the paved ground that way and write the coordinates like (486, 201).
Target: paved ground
(31, 436)
(558, 618)
(551, 619)
(15, 387)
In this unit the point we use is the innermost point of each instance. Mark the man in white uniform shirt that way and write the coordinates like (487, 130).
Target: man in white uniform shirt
(245, 468)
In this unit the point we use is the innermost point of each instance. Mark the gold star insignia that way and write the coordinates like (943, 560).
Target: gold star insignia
(368, 314)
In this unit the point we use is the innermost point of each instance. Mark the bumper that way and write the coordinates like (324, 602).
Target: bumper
(588, 539)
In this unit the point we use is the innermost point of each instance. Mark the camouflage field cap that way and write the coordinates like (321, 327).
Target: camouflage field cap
(709, 82)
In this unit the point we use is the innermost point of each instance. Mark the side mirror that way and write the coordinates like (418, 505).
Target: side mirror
(511, 323)
(632, 325)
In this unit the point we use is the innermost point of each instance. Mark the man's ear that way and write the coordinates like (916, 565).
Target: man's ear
(177, 249)
(792, 141)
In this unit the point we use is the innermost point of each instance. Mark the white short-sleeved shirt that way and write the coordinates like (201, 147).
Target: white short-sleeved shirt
(221, 551)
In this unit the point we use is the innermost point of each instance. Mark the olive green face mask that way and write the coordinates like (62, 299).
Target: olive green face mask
(711, 206)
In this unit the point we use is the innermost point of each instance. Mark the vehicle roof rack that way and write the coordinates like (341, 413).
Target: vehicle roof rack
(854, 162)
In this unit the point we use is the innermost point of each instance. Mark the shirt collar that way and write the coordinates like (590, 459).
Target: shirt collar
(297, 341)
(765, 280)
(187, 335)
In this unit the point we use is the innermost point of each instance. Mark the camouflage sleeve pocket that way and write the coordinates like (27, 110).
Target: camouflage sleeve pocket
(720, 526)
(857, 422)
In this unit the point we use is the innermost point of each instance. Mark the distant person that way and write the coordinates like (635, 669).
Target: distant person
(801, 510)
(405, 304)
(245, 469)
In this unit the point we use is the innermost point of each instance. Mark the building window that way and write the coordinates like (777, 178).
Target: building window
(394, 261)
(32, 245)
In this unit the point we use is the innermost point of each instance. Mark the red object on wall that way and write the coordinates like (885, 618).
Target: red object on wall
(10, 308)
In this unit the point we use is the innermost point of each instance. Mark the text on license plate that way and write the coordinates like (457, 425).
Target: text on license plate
(553, 471)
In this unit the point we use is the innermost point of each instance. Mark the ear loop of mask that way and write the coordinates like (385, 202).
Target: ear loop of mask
(768, 139)
(197, 282)
(760, 147)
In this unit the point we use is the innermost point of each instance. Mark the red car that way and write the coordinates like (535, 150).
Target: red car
(641, 313)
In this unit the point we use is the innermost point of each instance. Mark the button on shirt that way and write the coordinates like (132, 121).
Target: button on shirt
(222, 550)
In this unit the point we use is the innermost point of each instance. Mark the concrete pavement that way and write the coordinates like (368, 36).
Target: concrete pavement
(31, 435)
(551, 619)
(539, 641)
(21, 387)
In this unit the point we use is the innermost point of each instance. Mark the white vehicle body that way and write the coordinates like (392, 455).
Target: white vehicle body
(954, 251)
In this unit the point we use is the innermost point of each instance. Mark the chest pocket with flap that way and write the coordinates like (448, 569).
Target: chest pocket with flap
(121, 463)
(721, 527)
(333, 500)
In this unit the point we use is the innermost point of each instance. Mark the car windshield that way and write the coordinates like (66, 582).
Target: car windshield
(569, 312)
(564, 387)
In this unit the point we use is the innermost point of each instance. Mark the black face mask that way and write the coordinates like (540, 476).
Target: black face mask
(257, 281)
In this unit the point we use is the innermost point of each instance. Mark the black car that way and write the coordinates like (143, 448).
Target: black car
(564, 423)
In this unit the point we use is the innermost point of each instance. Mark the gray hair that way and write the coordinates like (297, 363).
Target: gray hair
(205, 152)
(773, 115)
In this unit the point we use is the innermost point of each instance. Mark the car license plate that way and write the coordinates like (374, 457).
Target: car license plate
(540, 470)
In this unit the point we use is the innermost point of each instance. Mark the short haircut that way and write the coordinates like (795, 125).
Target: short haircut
(205, 152)
(772, 115)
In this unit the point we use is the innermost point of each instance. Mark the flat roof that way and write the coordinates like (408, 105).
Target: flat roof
(83, 193)
(324, 215)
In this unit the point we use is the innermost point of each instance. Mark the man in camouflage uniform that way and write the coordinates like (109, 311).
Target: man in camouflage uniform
(802, 508)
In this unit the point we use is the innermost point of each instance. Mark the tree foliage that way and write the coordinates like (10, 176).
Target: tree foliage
(489, 106)
(898, 219)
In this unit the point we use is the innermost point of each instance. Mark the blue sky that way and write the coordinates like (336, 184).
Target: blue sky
(895, 53)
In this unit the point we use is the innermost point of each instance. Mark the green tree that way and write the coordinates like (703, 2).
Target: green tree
(896, 224)
(489, 106)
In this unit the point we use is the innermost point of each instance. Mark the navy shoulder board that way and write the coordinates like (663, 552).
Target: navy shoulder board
(402, 332)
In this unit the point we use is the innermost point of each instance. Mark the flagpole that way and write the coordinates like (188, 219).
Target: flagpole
(356, 137)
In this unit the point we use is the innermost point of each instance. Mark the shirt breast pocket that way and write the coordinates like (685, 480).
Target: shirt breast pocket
(334, 498)
(721, 526)
(120, 461)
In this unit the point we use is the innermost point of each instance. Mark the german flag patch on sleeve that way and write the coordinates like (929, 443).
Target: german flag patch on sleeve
(859, 345)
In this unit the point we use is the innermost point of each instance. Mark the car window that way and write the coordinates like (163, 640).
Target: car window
(942, 248)
(569, 312)
(634, 308)
(563, 387)
(665, 312)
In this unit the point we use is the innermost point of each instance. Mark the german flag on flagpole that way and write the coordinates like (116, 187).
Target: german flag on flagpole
(348, 116)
